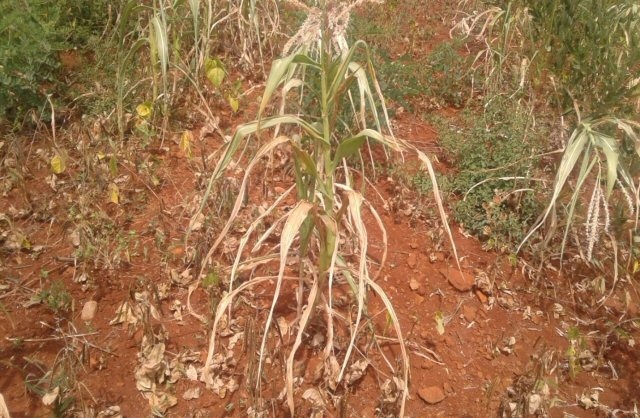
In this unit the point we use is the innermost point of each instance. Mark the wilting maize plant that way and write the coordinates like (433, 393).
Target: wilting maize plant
(322, 73)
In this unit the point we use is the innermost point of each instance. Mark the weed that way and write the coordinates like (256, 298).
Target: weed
(34, 34)
(56, 297)
(494, 165)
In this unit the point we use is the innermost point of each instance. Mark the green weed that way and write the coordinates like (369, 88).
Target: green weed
(494, 167)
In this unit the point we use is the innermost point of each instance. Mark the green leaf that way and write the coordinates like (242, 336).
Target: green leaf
(216, 76)
(347, 147)
(610, 149)
(278, 70)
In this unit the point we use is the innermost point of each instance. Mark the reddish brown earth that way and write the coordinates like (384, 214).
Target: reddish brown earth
(501, 329)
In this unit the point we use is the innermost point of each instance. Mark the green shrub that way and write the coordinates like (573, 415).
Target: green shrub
(494, 163)
(33, 34)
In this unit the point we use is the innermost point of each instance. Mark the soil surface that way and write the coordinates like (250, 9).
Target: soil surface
(490, 339)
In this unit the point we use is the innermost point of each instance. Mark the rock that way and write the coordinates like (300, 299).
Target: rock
(461, 281)
(431, 395)
(414, 284)
(481, 296)
(89, 310)
(412, 260)
(469, 313)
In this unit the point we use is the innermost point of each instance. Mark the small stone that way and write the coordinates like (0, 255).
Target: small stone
(461, 281)
(426, 365)
(89, 310)
(412, 260)
(431, 395)
(481, 296)
(414, 284)
(413, 245)
(469, 313)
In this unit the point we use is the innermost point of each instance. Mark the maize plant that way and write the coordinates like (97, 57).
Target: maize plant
(324, 77)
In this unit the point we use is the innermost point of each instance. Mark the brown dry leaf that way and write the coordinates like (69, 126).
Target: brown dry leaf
(110, 412)
(191, 372)
(356, 371)
(160, 402)
(124, 314)
(177, 308)
(314, 396)
(153, 367)
(332, 372)
(193, 393)
(196, 222)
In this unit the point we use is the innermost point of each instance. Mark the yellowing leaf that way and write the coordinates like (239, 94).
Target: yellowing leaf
(185, 143)
(216, 76)
(439, 317)
(101, 155)
(234, 103)
(144, 110)
(58, 164)
(114, 194)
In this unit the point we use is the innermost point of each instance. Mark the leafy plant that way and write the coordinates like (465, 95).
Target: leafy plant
(328, 209)
(33, 35)
(493, 176)
(604, 150)
(56, 297)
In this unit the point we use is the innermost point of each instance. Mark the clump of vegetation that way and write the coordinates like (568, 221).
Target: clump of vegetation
(495, 160)
(584, 56)
(34, 34)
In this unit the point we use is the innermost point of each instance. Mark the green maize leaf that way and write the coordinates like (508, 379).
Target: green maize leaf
(278, 70)
(160, 32)
(610, 149)
(346, 148)
(303, 157)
